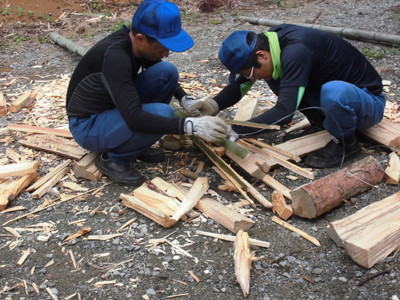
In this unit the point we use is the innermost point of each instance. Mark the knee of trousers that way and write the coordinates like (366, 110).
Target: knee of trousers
(160, 109)
(169, 69)
(334, 93)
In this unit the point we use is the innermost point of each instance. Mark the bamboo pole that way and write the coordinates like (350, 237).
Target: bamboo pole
(351, 33)
(66, 43)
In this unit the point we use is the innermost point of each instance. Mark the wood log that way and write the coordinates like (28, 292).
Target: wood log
(370, 234)
(386, 133)
(393, 169)
(12, 188)
(225, 216)
(280, 207)
(149, 211)
(3, 105)
(43, 130)
(18, 169)
(54, 144)
(243, 259)
(17, 104)
(320, 196)
(86, 168)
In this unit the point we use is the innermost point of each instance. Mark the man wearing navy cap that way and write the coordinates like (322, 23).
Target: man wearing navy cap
(312, 71)
(118, 96)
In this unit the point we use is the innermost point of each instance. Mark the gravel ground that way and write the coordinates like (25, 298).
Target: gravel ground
(125, 267)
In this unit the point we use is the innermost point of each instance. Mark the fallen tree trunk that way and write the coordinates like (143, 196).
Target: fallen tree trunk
(320, 196)
(340, 31)
(372, 233)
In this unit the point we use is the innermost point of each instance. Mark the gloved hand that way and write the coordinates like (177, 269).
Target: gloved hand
(210, 129)
(233, 136)
(198, 108)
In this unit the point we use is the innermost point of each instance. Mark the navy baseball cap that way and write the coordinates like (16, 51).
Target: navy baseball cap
(161, 20)
(235, 52)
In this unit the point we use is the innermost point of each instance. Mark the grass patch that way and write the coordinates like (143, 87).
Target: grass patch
(379, 53)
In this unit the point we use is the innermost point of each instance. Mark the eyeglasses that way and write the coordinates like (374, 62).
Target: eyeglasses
(251, 74)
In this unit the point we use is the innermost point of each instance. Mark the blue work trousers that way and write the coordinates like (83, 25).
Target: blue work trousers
(108, 132)
(346, 107)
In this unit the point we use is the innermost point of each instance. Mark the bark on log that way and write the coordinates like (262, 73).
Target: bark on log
(318, 197)
(340, 31)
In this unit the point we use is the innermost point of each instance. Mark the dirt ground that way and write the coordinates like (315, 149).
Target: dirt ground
(126, 266)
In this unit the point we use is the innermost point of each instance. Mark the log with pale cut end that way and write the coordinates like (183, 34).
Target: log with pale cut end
(393, 169)
(243, 259)
(320, 196)
(370, 234)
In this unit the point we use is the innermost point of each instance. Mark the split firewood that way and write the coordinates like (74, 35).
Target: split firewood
(143, 208)
(299, 125)
(320, 196)
(370, 234)
(280, 207)
(231, 238)
(81, 232)
(276, 185)
(44, 188)
(48, 176)
(386, 133)
(17, 104)
(54, 144)
(3, 105)
(12, 188)
(14, 156)
(247, 108)
(196, 192)
(18, 169)
(243, 259)
(25, 254)
(162, 203)
(224, 215)
(86, 168)
(42, 130)
(393, 169)
(298, 231)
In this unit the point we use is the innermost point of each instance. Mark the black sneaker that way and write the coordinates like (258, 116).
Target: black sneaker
(296, 134)
(119, 173)
(334, 154)
(152, 155)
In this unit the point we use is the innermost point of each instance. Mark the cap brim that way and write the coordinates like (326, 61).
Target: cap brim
(178, 43)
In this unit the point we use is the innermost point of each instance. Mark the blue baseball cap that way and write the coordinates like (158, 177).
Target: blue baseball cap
(235, 51)
(161, 20)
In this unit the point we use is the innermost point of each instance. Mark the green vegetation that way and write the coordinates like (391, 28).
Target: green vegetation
(18, 39)
(117, 26)
(379, 53)
(214, 22)
(47, 17)
(30, 14)
(20, 12)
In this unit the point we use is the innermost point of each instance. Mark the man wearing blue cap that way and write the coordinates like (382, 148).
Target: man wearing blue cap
(118, 96)
(312, 71)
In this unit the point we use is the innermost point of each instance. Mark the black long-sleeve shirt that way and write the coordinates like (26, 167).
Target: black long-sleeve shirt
(105, 78)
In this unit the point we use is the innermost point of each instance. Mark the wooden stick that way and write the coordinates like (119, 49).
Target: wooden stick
(231, 238)
(43, 189)
(196, 192)
(49, 175)
(55, 203)
(284, 153)
(253, 125)
(294, 229)
(42, 130)
(17, 104)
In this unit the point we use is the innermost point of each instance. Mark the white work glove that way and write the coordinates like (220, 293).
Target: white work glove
(210, 129)
(198, 108)
(233, 136)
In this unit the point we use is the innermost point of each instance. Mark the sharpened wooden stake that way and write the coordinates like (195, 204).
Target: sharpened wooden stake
(196, 192)
(243, 259)
(294, 229)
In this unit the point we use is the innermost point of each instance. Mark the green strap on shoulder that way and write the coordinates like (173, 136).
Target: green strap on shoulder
(300, 95)
(245, 87)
